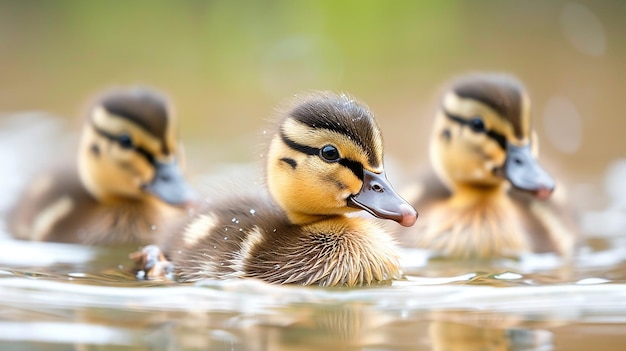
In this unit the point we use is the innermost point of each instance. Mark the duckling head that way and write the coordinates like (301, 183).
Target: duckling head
(128, 149)
(482, 137)
(326, 159)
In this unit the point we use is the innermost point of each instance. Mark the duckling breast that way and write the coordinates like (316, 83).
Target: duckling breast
(337, 252)
(480, 231)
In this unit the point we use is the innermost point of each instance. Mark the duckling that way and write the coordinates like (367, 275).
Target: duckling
(325, 161)
(489, 196)
(123, 184)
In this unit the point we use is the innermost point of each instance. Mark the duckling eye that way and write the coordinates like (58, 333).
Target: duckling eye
(329, 153)
(477, 124)
(125, 141)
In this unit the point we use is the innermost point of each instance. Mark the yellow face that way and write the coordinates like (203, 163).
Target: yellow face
(313, 171)
(469, 141)
(117, 156)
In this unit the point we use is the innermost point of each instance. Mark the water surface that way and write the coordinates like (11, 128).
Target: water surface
(66, 297)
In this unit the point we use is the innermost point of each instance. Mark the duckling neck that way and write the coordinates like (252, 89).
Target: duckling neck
(299, 218)
(469, 195)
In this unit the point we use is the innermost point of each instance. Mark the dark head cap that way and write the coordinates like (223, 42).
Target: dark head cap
(502, 93)
(144, 107)
(344, 115)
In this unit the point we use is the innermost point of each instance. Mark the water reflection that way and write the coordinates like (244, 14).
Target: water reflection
(454, 336)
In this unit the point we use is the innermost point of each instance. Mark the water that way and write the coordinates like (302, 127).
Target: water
(70, 297)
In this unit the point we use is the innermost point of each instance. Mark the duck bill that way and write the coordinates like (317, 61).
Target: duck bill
(379, 199)
(170, 185)
(524, 173)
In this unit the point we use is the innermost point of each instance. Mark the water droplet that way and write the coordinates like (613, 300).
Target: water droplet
(276, 266)
(233, 220)
(215, 247)
(153, 227)
(225, 238)
(274, 230)
(241, 229)
(252, 211)
(225, 229)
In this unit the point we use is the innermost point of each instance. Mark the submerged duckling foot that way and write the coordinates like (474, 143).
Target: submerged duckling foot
(151, 264)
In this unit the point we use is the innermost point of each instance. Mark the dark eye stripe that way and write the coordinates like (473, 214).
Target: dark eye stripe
(355, 166)
(497, 137)
(299, 147)
(114, 138)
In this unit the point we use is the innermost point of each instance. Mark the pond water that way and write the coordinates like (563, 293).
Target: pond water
(69, 297)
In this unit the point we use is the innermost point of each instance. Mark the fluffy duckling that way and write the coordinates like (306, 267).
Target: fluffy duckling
(123, 185)
(489, 197)
(325, 160)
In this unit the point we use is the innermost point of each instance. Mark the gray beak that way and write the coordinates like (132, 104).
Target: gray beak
(524, 173)
(170, 185)
(379, 199)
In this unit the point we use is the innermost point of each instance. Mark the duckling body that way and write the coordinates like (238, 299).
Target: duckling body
(324, 161)
(122, 185)
(488, 197)
(253, 238)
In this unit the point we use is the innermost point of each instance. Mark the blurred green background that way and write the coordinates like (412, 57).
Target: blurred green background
(226, 64)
